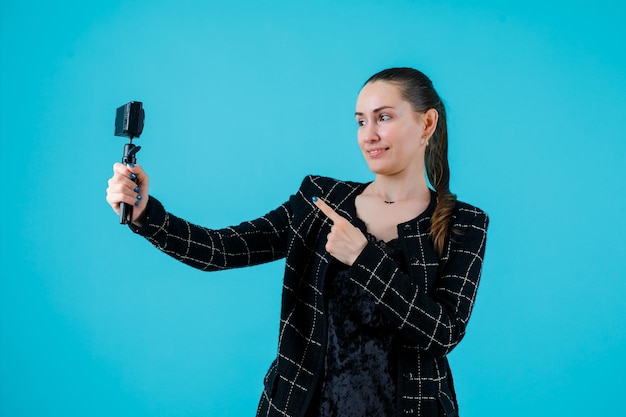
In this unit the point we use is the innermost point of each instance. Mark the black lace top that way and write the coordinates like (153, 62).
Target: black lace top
(359, 373)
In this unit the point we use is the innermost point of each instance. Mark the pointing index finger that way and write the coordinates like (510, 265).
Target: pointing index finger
(327, 210)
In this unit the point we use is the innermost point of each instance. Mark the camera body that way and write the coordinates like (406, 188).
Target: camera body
(129, 120)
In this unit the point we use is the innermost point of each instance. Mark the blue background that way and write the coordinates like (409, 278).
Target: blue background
(243, 99)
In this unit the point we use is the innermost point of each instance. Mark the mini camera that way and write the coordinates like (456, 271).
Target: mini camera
(129, 119)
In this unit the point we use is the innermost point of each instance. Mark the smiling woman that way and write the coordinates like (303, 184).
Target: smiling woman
(403, 105)
(380, 277)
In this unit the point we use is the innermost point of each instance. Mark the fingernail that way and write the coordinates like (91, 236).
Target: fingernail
(136, 189)
(133, 176)
(314, 199)
(138, 197)
(131, 165)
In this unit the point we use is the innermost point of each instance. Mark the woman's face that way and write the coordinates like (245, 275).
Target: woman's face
(392, 136)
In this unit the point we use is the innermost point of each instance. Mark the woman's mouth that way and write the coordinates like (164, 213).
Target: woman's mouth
(375, 153)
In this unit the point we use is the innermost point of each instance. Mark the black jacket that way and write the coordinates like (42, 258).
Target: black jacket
(430, 305)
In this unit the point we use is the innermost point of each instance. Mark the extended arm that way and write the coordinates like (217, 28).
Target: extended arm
(249, 243)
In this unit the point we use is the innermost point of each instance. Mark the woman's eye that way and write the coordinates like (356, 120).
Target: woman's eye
(361, 122)
(384, 117)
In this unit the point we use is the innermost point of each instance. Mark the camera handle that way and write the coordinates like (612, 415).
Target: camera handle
(126, 211)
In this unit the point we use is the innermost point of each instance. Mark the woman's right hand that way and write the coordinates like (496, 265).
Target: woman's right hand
(122, 189)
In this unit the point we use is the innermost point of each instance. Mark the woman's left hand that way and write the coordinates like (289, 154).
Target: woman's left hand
(345, 242)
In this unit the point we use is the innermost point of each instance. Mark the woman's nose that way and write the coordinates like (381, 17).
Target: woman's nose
(370, 132)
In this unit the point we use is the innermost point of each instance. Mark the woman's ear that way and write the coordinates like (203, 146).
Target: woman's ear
(430, 122)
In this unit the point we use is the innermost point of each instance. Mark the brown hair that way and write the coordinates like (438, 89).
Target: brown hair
(417, 89)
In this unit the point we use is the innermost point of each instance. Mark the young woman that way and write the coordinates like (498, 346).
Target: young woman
(380, 278)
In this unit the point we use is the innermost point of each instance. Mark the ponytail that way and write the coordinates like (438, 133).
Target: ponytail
(438, 172)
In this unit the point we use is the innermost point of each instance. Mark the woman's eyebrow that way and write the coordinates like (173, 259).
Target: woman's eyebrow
(376, 110)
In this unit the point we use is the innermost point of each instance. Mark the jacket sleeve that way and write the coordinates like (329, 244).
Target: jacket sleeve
(250, 243)
(434, 320)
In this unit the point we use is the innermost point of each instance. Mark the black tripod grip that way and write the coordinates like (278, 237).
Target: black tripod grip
(126, 211)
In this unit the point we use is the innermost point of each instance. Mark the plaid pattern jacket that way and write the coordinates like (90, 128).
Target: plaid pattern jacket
(430, 305)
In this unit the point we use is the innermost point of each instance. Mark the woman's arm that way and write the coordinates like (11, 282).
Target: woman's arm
(435, 320)
(249, 243)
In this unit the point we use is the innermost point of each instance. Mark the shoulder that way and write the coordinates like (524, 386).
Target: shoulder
(328, 188)
(466, 216)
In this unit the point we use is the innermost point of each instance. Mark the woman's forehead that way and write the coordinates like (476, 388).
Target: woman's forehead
(377, 94)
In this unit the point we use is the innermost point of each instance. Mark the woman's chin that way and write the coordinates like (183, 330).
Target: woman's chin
(380, 170)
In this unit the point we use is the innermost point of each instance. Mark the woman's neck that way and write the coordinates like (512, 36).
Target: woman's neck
(392, 189)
